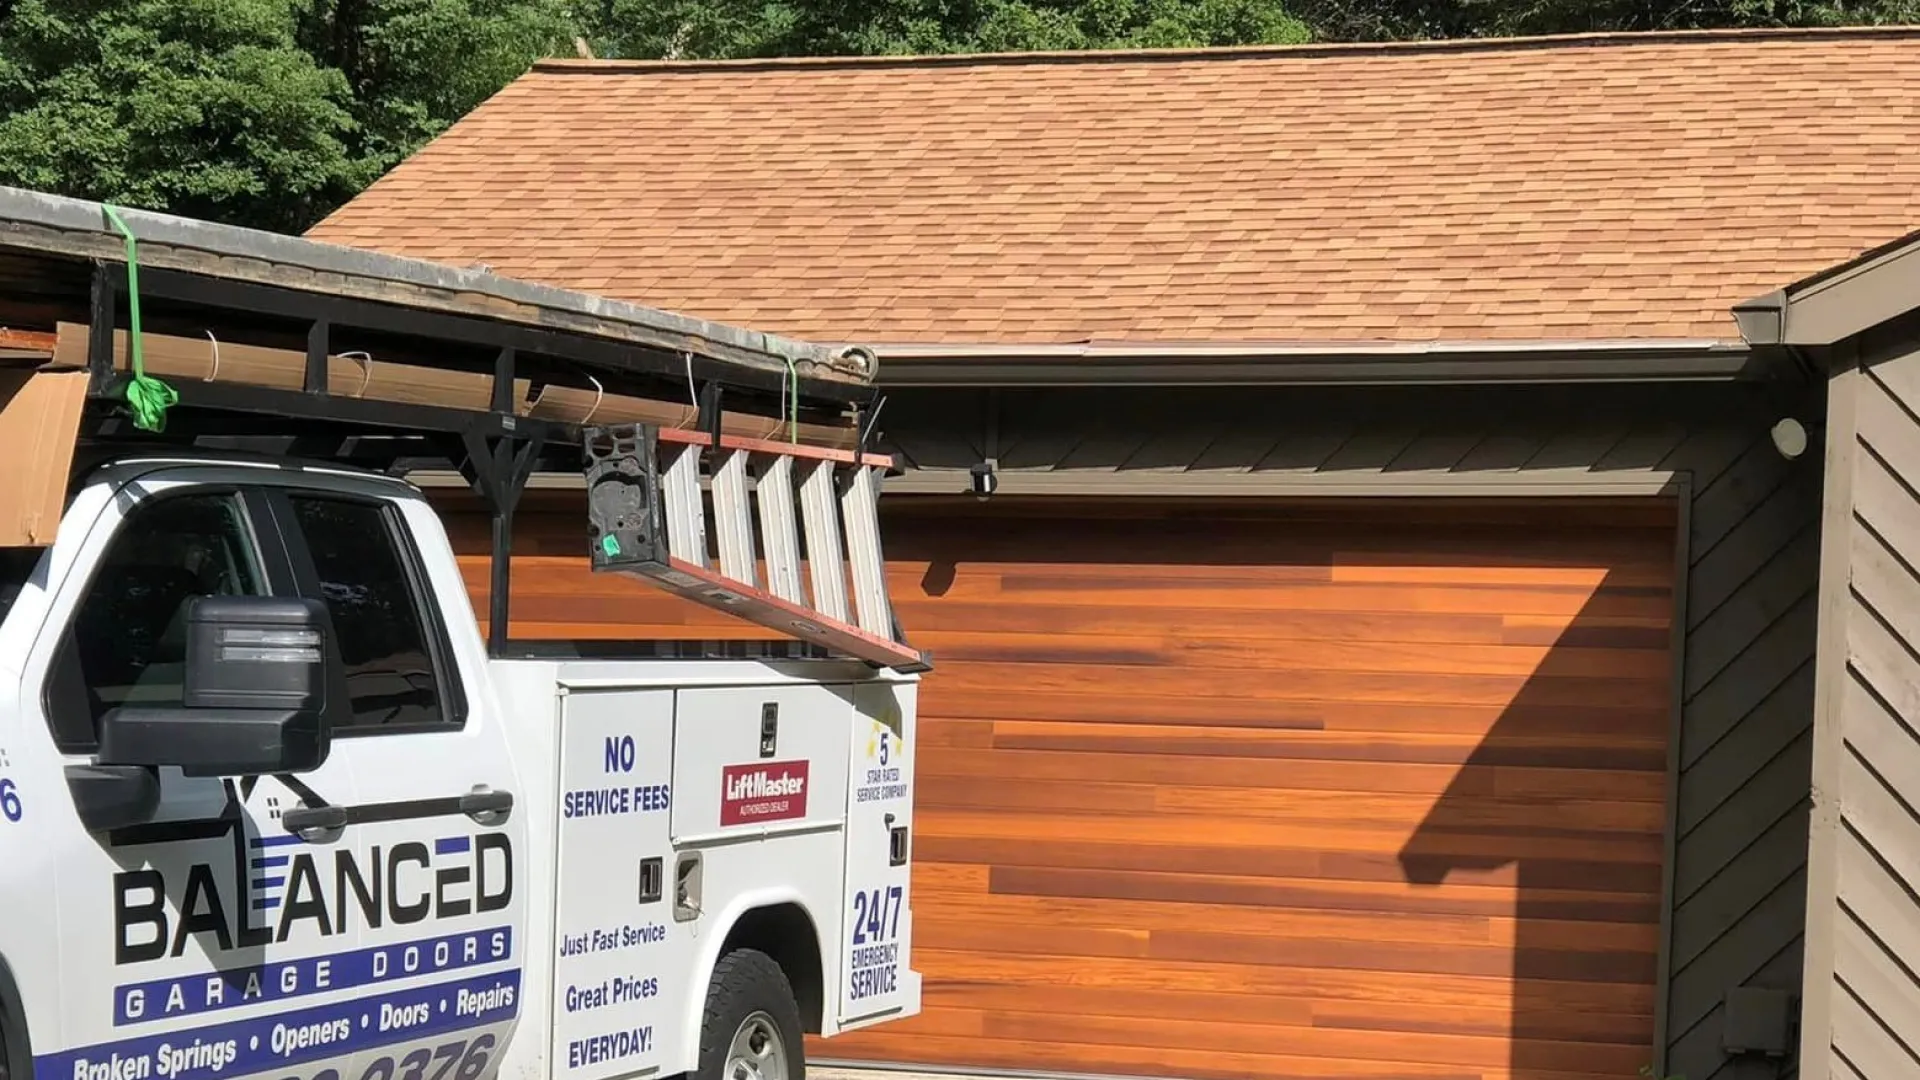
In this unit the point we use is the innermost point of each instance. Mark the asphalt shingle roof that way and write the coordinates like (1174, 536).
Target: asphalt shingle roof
(1582, 188)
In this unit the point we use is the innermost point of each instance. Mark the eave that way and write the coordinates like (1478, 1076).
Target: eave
(1111, 364)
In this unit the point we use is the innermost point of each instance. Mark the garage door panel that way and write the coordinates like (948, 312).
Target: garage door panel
(1306, 740)
(1381, 808)
(1320, 985)
(951, 878)
(1043, 620)
(1054, 999)
(1494, 1020)
(1057, 941)
(1590, 631)
(1201, 857)
(1457, 1045)
(1057, 1056)
(1225, 835)
(1626, 945)
(1313, 809)
(950, 792)
(1009, 646)
(1649, 631)
(1304, 774)
(1527, 750)
(1143, 597)
(946, 731)
(1296, 924)
(1602, 571)
(1302, 530)
(960, 719)
(1545, 660)
(1376, 897)
(1400, 781)
(1177, 645)
(1284, 681)
(1386, 960)
(1168, 916)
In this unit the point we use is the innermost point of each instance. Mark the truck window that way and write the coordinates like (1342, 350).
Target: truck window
(379, 613)
(128, 636)
(16, 568)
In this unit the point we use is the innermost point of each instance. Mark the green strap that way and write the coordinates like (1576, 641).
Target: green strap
(148, 398)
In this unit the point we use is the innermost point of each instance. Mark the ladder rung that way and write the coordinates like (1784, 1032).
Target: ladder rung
(821, 519)
(778, 530)
(686, 509)
(858, 507)
(733, 518)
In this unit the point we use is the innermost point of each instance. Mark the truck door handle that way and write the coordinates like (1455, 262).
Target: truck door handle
(478, 804)
(485, 807)
(305, 819)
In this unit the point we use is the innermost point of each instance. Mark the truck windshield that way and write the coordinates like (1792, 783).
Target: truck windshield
(16, 566)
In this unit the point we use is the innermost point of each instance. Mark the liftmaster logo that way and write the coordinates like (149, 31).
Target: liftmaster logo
(767, 791)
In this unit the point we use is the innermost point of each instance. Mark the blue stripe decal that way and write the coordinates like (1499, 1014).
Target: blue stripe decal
(301, 976)
(452, 845)
(273, 841)
(261, 862)
(281, 1040)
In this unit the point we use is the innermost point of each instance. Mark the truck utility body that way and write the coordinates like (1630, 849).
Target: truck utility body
(271, 802)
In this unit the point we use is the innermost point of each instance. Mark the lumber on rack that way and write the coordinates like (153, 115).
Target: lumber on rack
(356, 376)
(350, 375)
(571, 405)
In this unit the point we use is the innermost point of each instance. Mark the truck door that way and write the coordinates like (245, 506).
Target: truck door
(187, 948)
(619, 974)
(423, 856)
(876, 977)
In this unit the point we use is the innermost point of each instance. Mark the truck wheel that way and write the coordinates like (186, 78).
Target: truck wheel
(752, 1026)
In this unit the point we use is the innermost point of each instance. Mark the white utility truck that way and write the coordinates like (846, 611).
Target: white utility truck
(273, 805)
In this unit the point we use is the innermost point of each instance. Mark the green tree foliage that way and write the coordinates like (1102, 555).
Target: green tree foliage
(740, 28)
(257, 112)
(204, 107)
(415, 66)
(1385, 20)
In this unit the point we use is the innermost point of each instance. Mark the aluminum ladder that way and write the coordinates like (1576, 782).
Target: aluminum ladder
(649, 513)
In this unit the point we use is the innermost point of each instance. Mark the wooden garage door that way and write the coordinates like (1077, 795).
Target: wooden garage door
(1354, 790)
(1348, 790)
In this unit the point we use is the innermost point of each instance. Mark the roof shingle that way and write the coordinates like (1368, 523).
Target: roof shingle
(1589, 188)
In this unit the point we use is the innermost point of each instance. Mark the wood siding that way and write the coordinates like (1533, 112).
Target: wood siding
(1738, 872)
(1863, 1015)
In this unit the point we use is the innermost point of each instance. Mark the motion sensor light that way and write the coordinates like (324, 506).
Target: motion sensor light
(1790, 438)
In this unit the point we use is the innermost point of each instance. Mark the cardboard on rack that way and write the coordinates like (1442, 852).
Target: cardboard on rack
(39, 425)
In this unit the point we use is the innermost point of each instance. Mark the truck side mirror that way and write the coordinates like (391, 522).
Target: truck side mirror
(262, 678)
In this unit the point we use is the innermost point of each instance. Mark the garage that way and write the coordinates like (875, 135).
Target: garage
(1348, 788)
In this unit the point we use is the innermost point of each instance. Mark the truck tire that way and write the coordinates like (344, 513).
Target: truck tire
(751, 1030)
